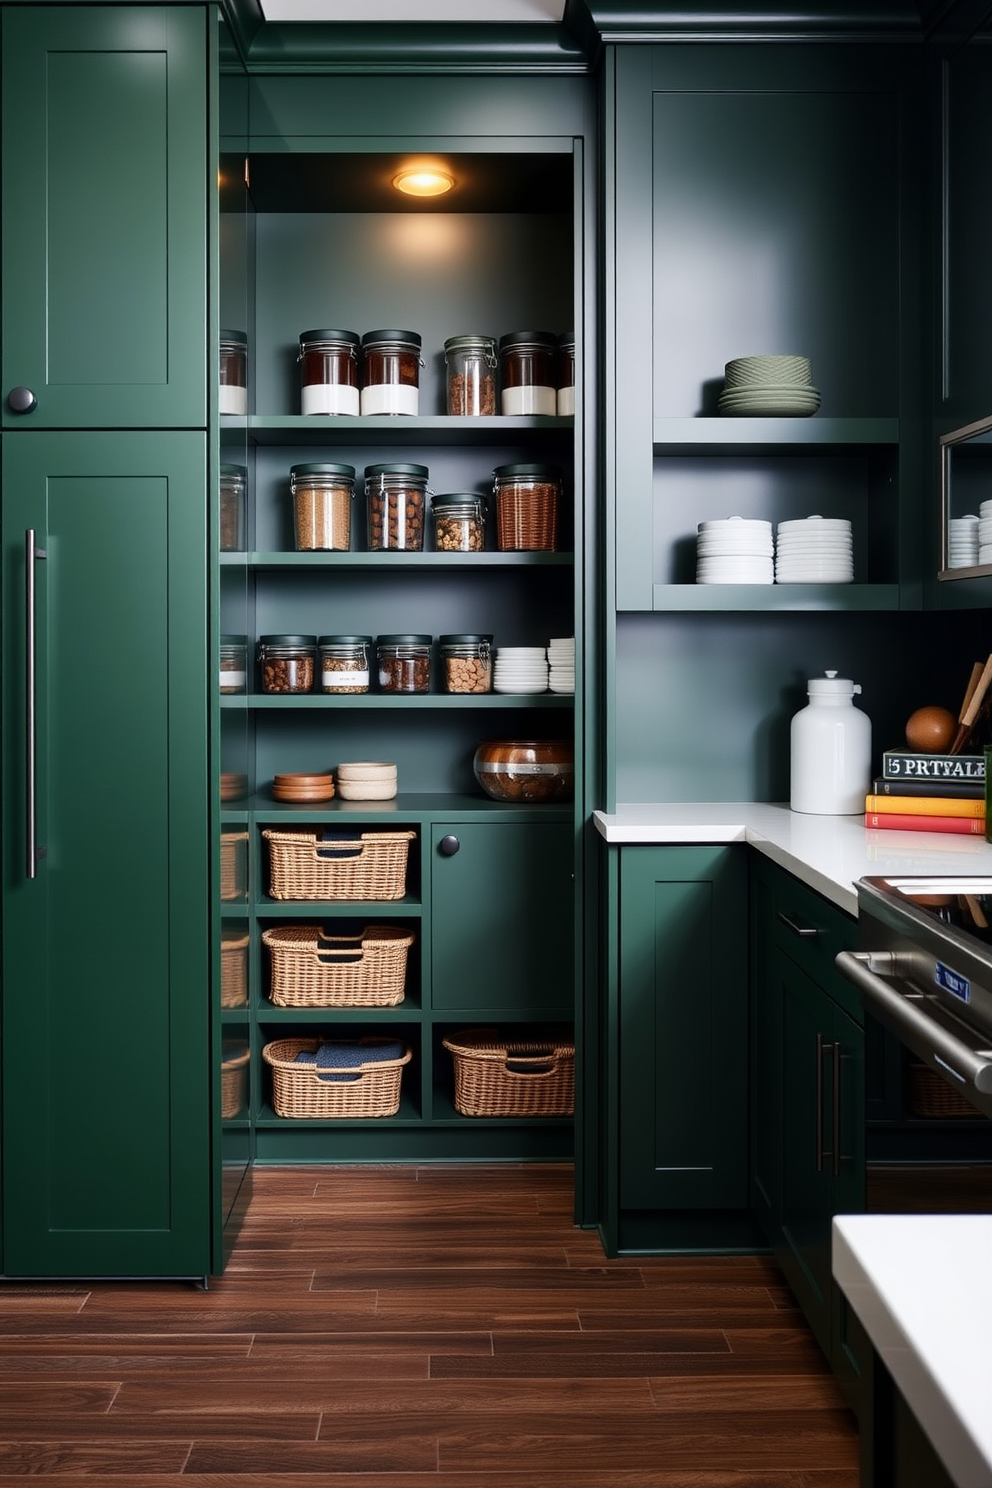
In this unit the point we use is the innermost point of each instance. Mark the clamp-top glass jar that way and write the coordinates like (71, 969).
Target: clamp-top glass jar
(344, 662)
(396, 506)
(527, 499)
(287, 662)
(329, 372)
(466, 662)
(322, 497)
(404, 663)
(566, 374)
(233, 663)
(459, 522)
(528, 373)
(233, 395)
(471, 364)
(233, 489)
(390, 372)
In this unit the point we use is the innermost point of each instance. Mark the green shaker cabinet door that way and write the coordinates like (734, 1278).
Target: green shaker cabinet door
(683, 1028)
(106, 1077)
(501, 918)
(104, 213)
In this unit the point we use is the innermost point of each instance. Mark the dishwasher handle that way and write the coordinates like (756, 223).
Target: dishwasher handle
(968, 1066)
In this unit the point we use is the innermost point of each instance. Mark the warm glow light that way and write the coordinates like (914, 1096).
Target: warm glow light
(423, 181)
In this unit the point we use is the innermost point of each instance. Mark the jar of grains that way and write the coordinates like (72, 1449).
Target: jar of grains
(566, 374)
(287, 662)
(526, 506)
(404, 663)
(329, 372)
(528, 372)
(233, 397)
(322, 496)
(459, 522)
(233, 489)
(390, 372)
(395, 496)
(344, 662)
(233, 663)
(466, 662)
(471, 364)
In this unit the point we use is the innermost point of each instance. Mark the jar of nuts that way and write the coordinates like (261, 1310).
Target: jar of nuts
(471, 364)
(344, 663)
(466, 662)
(322, 496)
(396, 506)
(459, 522)
(286, 662)
(404, 663)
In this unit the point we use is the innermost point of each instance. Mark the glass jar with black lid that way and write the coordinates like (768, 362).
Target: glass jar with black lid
(465, 662)
(287, 662)
(404, 662)
(528, 372)
(344, 663)
(233, 393)
(390, 373)
(329, 376)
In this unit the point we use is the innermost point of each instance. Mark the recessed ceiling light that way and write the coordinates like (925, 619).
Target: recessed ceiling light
(423, 180)
(415, 11)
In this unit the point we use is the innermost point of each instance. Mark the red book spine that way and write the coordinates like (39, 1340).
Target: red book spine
(897, 821)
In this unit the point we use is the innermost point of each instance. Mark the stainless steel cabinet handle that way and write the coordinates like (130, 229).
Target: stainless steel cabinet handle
(31, 553)
(807, 932)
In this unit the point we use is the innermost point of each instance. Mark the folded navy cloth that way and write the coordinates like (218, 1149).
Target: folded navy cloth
(345, 845)
(339, 1057)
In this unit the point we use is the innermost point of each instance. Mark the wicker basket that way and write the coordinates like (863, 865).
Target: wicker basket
(497, 1076)
(527, 519)
(929, 1095)
(233, 1083)
(233, 970)
(311, 969)
(301, 1091)
(354, 865)
(233, 865)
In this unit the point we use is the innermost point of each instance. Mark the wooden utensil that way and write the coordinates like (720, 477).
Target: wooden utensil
(973, 702)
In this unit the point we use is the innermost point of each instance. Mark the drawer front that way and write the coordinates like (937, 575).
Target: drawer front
(811, 931)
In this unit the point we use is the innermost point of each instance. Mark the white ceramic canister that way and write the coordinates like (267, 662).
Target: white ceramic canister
(831, 750)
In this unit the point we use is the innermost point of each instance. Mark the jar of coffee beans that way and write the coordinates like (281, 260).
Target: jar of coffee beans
(329, 372)
(471, 364)
(322, 496)
(391, 364)
(344, 663)
(459, 522)
(404, 663)
(395, 495)
(466, 662)
(528, 372)
(287, 662)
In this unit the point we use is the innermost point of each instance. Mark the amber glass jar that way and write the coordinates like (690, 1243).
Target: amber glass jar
(390, 372)
(233, 397)
(528, 372)
(322, 497)
(329, 372)
(471, 364)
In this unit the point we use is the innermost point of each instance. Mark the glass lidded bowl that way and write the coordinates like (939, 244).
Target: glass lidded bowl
(526, 770)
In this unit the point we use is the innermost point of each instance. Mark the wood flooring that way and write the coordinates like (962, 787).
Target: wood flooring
(404, 1327)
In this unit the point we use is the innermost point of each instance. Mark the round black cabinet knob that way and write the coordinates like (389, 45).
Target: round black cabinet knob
(21, 400)
(448, 846)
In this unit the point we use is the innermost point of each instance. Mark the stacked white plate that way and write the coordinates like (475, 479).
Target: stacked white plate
(768, 387)
(561, 664)
(735, 550)
(814, 550)
(521, 669)
(962, 540)
(985, 532)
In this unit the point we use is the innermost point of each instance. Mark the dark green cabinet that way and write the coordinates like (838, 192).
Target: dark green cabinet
(105, 212)
(106, 1079)
(682, 1032)
(501, 919)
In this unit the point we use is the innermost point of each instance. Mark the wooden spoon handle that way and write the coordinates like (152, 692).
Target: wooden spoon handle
(969, 691)
(971, 711)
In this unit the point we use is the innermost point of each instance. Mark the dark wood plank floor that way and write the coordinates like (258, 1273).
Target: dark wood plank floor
(393, 1327)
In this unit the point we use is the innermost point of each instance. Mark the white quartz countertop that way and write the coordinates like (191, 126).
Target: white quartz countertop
(920, 1285)
(829, 853)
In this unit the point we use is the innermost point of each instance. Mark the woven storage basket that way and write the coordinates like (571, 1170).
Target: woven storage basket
(526, 520)
(496, 1076)
(299, 1091)
(363, 865)
(233, 970)
(233, 1083)
(233, 865)
(311, 969)
(929, 1095)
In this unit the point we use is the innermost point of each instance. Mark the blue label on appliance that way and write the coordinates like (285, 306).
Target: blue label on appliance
(952, 982)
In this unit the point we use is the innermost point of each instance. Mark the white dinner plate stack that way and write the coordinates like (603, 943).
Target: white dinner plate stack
(521, 669)
(985, 532)
(768, 387)
(735, 550)
(962, 540)
(561, 664)
(814, 550)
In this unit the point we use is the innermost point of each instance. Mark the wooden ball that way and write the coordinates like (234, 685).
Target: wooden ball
(931, 730)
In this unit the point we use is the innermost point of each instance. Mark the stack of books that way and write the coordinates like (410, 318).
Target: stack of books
(928, 793)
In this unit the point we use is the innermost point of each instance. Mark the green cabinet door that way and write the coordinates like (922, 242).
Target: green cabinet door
(501, 919)
(104, 215)
(106, 1074)
(683, 1028)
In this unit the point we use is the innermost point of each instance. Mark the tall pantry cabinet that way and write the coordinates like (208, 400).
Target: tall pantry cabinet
(107, 1091)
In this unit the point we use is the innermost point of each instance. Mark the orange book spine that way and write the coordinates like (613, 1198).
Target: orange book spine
(898, 821)
(924, 806)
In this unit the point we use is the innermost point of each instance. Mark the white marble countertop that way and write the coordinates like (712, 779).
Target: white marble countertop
(919, 1284)
(829, 853)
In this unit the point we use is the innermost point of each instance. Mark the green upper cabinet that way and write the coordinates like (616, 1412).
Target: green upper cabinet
(104, 216)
